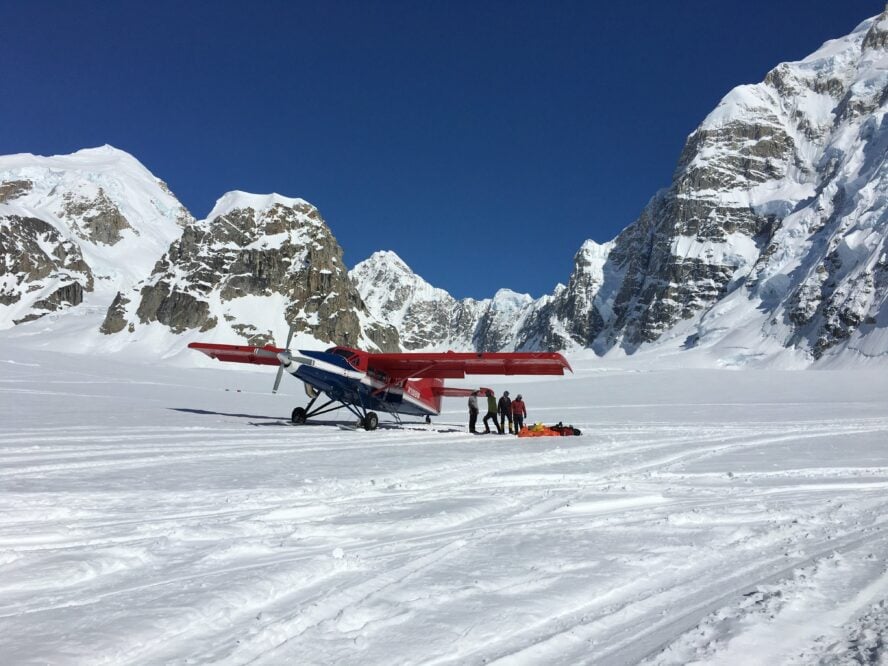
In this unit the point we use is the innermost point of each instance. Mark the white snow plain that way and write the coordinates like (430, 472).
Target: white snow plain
(156, 515)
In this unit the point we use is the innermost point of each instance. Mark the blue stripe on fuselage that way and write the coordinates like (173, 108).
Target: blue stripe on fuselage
(332, 359)
(345, 389)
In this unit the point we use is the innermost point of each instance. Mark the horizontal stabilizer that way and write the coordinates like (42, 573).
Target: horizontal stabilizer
(454, 392)
(266, 355)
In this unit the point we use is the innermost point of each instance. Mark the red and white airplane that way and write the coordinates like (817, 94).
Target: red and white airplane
(409, 383)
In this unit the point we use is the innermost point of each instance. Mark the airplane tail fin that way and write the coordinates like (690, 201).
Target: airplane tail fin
(430, 391)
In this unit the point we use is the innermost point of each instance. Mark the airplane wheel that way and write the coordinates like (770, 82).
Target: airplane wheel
(299, 415)
(428, 419)
(371, 421)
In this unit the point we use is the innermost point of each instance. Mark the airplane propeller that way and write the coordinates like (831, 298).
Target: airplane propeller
(280, 372)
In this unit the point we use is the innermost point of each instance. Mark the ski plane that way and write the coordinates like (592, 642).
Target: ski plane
(409, 383)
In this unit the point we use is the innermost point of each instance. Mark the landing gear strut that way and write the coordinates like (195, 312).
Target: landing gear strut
(366, 420)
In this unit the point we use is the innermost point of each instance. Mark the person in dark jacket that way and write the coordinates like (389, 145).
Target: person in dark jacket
(491, 413)
(505, 411)
(473, 411)
(519, 413)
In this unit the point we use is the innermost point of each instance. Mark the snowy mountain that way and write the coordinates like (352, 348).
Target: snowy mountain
(429, 318)
(770, 241)
(76, 228)
(772, 234)
(98, 242)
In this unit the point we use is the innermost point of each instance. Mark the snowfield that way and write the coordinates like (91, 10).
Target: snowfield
(155, 515)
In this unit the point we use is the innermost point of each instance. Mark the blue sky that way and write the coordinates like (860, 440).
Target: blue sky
(481, 141)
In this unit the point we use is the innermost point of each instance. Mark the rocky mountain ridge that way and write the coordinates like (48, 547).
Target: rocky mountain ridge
(769, 241)
(429, 318)
(256, 266)
(771, 237)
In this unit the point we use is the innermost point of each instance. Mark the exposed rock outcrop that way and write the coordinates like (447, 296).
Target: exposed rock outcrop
(37, 263)
(258, 263)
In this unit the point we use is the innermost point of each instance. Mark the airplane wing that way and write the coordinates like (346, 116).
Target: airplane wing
(454, 365)
(266, 355)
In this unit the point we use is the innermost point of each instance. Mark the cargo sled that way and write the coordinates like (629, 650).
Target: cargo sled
(557, 430)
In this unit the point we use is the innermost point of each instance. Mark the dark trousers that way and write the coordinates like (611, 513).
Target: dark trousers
(519, 422)
(473, 419)
(503, 417)
(491, 415)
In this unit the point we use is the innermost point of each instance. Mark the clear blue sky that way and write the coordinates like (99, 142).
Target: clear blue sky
(481, 141)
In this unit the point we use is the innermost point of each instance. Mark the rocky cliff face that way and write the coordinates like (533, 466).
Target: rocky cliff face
(777, 197)
(256, 265)
(35, 258)
(574, 314)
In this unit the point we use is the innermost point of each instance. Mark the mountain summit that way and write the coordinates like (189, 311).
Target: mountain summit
(76, 228)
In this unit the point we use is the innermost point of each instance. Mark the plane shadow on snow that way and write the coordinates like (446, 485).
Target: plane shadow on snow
(346, 423)
(270, 420)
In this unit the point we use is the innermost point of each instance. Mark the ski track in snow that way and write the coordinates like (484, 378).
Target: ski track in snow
(170, 521)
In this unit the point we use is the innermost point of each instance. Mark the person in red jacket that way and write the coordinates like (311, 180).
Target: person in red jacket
(519, 412)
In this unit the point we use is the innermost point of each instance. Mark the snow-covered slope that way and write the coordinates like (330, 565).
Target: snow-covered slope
(159, 516)
(77, 228)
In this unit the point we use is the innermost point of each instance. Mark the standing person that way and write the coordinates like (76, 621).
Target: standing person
(491, 413)
(473, 411)
(519, 413)
(505, 411)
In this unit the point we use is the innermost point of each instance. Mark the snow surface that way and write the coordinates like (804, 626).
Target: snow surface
(238, 200)
(155, 515)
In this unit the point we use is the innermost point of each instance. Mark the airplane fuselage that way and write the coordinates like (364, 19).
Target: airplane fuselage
(334, 375)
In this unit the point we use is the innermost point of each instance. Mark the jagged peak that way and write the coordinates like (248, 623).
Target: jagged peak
(876, 31)
(387, 258)
(593, 250)
(386, 264)
(237, 200)
(511, 298)
(831, 59)
(737, 105)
